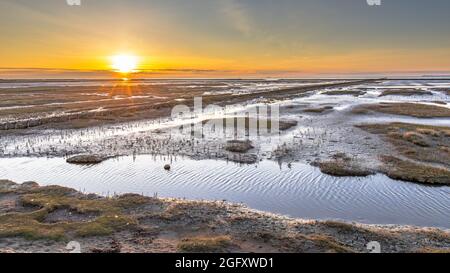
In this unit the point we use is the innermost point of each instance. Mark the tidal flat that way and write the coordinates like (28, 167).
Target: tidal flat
(343, 154)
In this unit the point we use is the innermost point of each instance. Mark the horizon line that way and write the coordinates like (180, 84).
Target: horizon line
(36, 73)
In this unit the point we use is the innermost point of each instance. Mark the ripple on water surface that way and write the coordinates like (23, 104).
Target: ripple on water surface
(299, 191)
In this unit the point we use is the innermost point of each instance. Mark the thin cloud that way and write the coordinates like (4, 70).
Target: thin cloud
(237, 16)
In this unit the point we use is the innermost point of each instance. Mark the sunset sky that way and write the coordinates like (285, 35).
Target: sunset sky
(224, 38)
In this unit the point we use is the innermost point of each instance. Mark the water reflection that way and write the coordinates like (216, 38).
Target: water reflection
(297, 190)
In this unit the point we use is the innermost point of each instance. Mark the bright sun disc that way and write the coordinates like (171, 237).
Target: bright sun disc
(124, 63)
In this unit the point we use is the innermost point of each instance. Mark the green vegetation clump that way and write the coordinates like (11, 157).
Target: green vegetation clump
(417, 110)
(205, 244)
(444, 90)
(238, 146)
(430, 250)
(341, 166)
(426, 152)
(422, 143)
(319, 110)
(405, 92)
(342, 169)
(40, 202)
(329, 243)
(420, 173)
(86, 159)
(344, 92)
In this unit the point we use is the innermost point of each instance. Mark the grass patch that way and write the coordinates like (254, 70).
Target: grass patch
(205, 244)
(399, 169)
(405, 109)
(329, 243)
(110, 215)
(424, 143)
(426, 147)
(344, 92)
(86, 159)
(415, 138)
(430, 250)
(318, 110)
(342, 169)
(341, 226)
(341, 166)
(444, 90)
(238, 146)
(405, 92)
(28, 226)
(6, 186)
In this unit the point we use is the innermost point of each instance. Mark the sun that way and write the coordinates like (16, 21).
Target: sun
(124, 63)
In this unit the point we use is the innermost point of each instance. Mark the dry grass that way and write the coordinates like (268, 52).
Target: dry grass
(424, 143)
(416, 138)
(430, 131)
(430, 250)
(329, 243)
(86, 159)
(238, 146)
(110, 216)
(341, 166)
(342, 227)
(342, 169)
(287, 124)
(426, 147)
(444, 90)
(405, 92)
(318, 110)
(439, 102)
(410, 171)
(406, 109)
(205, 244)
(344, 92)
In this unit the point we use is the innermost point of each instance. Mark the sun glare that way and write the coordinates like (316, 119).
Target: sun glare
(124, 63)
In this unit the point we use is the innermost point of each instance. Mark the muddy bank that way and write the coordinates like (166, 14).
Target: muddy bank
(405, 92)
(355, 93)
(77, 107)
(86, 159)
(313, 128)
(417, 110)
(45, 219)
(341, 165)
(421, 152)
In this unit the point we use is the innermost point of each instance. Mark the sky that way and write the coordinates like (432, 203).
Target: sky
(224, 38)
